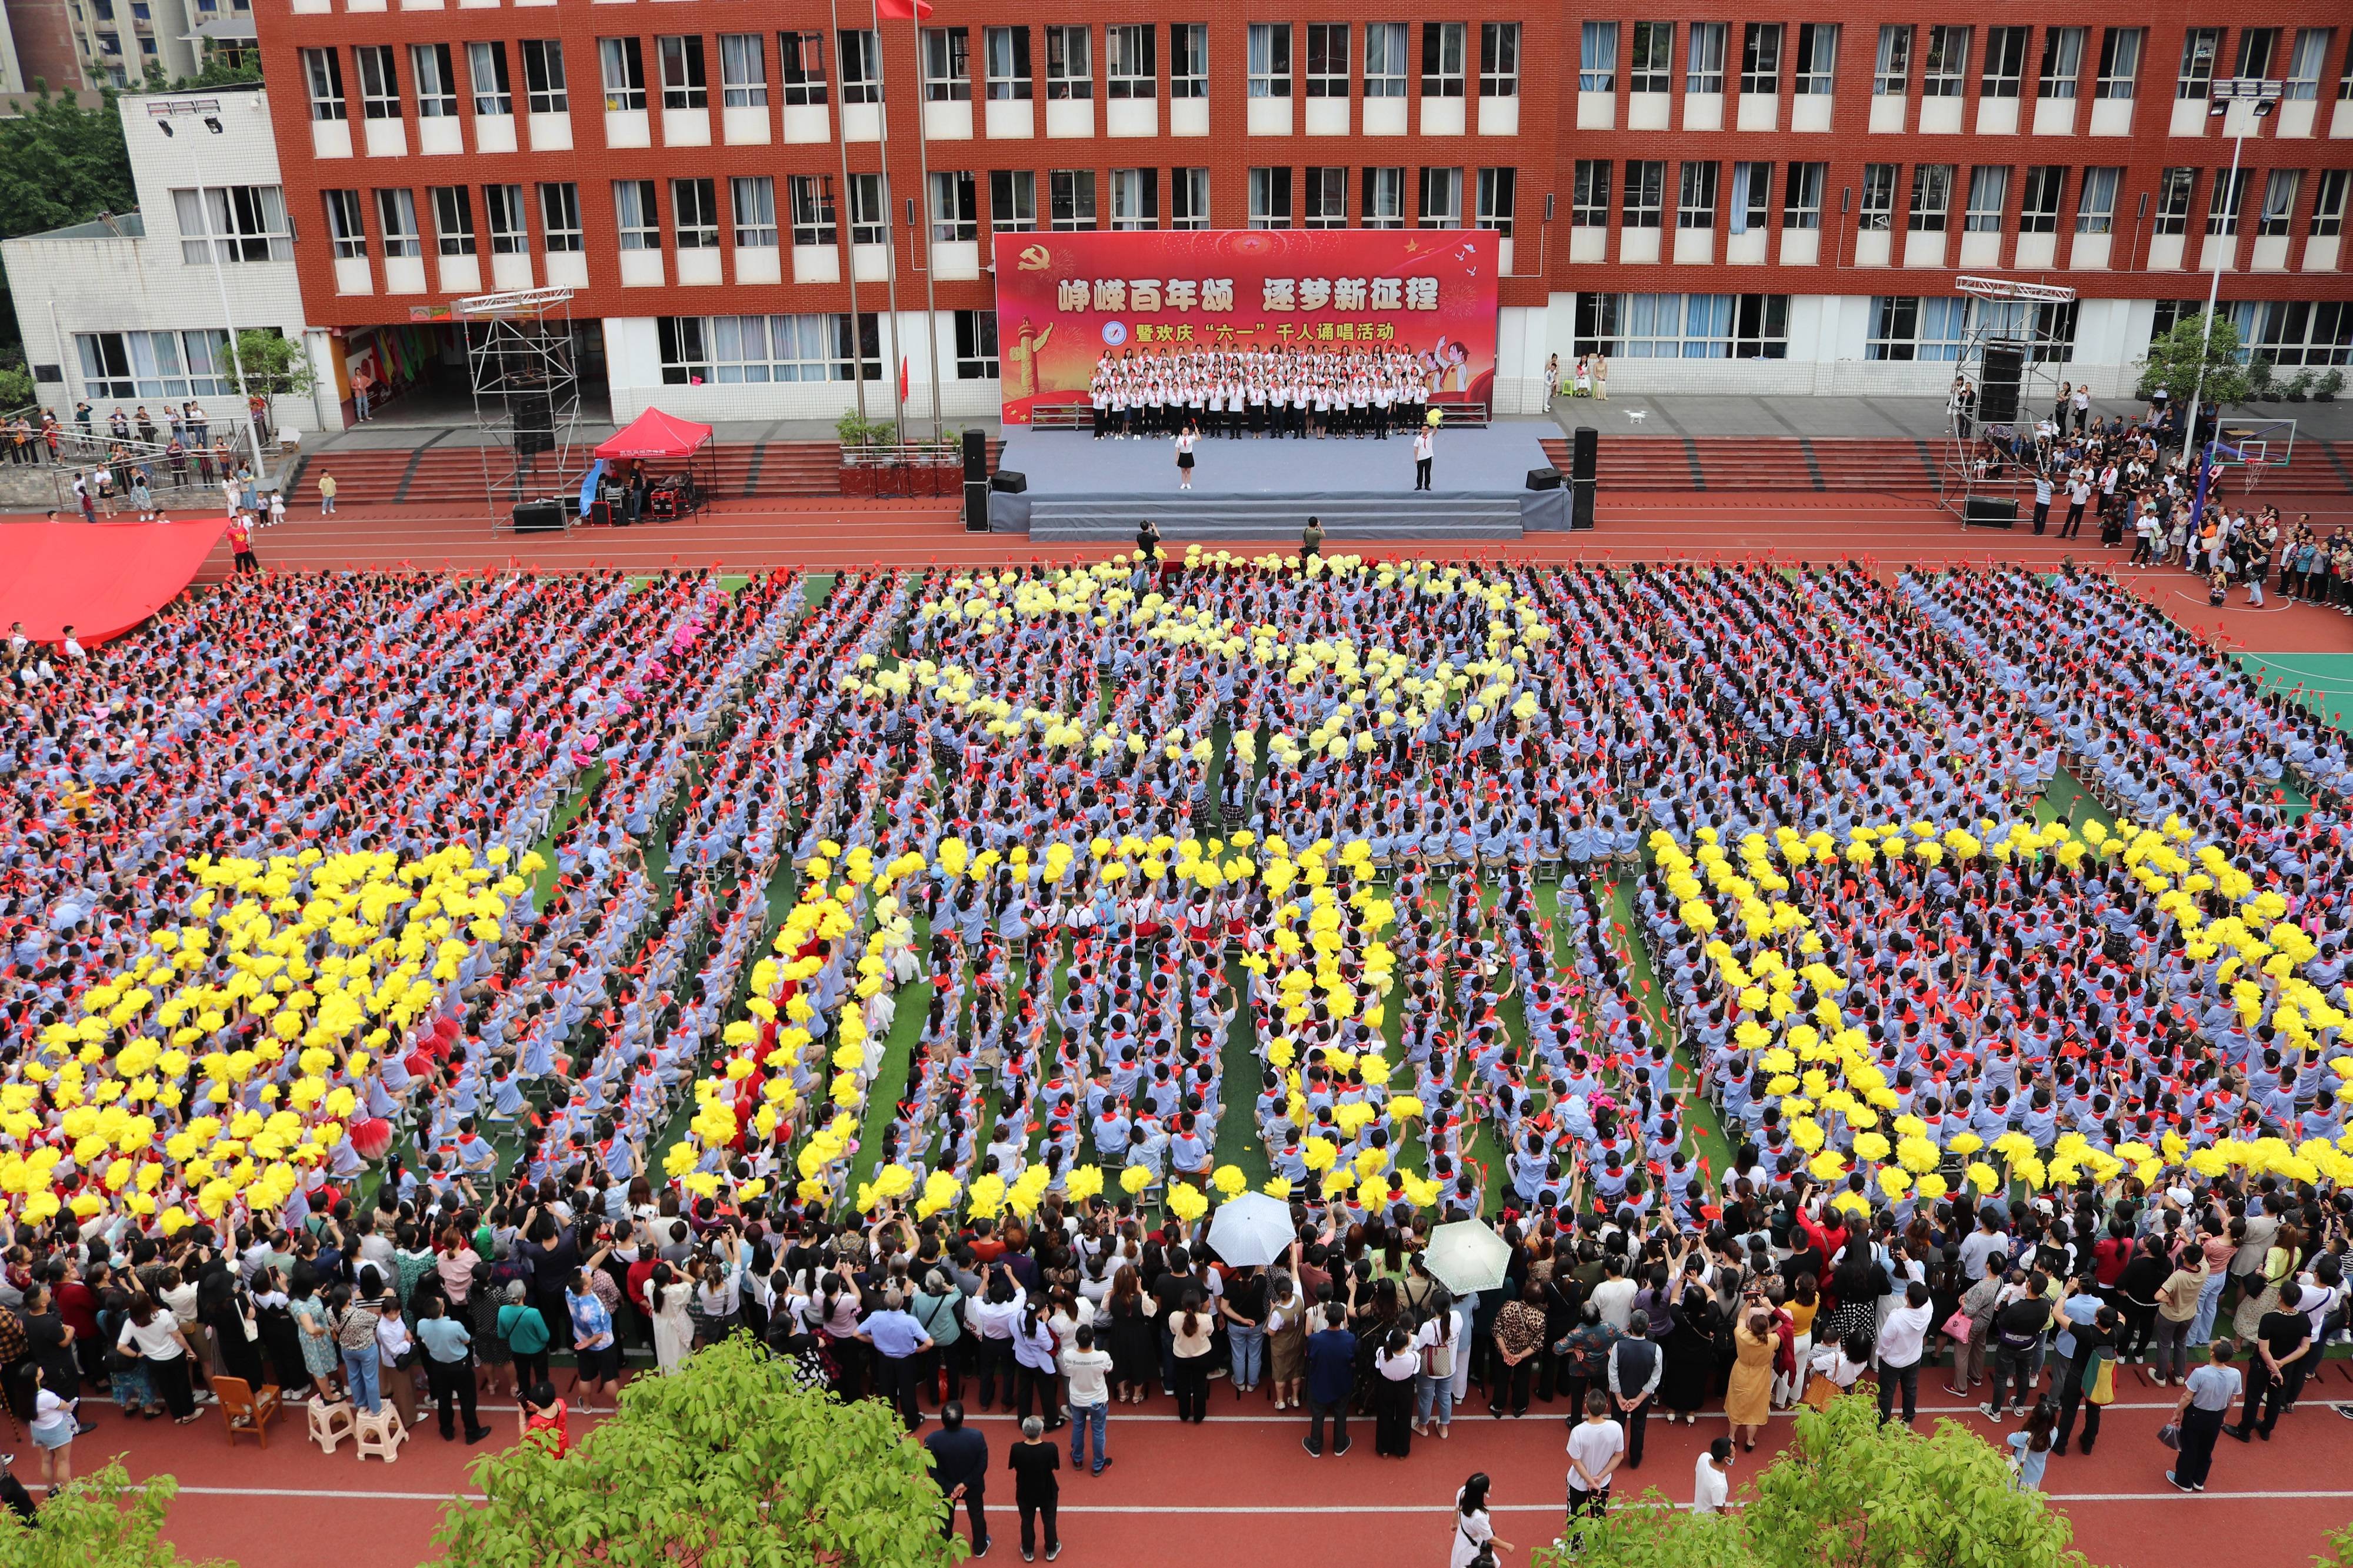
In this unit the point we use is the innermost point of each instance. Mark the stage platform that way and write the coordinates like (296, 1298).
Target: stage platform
(1082, 489)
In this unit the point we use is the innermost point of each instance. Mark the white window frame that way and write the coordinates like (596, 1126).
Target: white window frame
(561, 228)
(1596, 57)
(1386, 67)
(396, 216)
(1188, 198)
(1891, 71)
(1071, 63)
(2120, 57)
(486, 69)
(751, 201)
(743, 72)
(1270, 197)
(1704, 56)
(1070, 206)
(1005, 61)
(636, 215)
(1988, 201)
(622, 62)
(1013, 201)
(545, 92)
(1270, 60)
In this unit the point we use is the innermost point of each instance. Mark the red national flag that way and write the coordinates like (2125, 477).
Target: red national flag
(902, 358)
(902, 10)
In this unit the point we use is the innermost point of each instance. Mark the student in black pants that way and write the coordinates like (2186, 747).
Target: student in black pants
(1635, 1365)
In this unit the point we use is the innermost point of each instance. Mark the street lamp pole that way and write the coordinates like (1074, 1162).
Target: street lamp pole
(207, 110)
(2264, 95)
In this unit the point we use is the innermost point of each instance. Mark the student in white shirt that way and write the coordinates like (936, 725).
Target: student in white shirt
(1712, 1478)
(1595, 1447)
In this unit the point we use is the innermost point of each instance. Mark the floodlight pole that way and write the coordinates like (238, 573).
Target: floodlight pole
(208, 111)
(2264, 94)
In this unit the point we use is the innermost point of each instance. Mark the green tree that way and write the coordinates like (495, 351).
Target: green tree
(275, 365)
(727, 1464)
(2173, 363)
(2341, 1549)
(17, 389)
(61, 164)
(103, 1521)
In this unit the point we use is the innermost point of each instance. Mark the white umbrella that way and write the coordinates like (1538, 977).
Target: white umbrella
(1251, 1230)
(1466, 1256)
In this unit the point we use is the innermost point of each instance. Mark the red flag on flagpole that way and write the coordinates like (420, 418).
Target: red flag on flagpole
(902, 358)
(904, 10)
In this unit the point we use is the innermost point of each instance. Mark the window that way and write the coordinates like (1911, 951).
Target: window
(2257, 48)
(1760, 59)
(1270, 60)
(975, 345)
(2038, 207)
(2005, 62)
(130, 365)
(1597, 58)
(2199, 47)
(2062, 62)
(743, 71)
(1069, 64)
(802, 58)
(634, 214)
(1599, 319)
(1135, 198)
(1989, 198)
(1499, 59)
(624, 64)
(1891, 74)
(1650, 67)
(559, 216)
(1499, 200)
(344, 225)
(453, 220)
(1442, 59)
(1931, 198)
(503, 211)
(2280, 188)
(1646, 194)
(323, 73)
(1270, 198)
(1188, 198)
(948, 64)
(1704, 58)
(1326, 199)
(1008, 60)
(754, 197)
(1683, 326)
(1876, 211)
(1801, 203)
(861, 52)
(1327, 59)
(1947, 66)
(487, 64)
(869, 210)
(235, 223)
(2096, 202)
(2306, 62)
(1696, 206)
(694, 204)
(2299, 332)
(684, 84)
(542, 76)
(1188, 60)
(2176, 190)
(812, 210)
(1908, 328)
(395, 215)
(379, 82)
(1752, 197)
(1131, 62)
(1441, 198)
(734, 350)
(1384, 205)
(437, 88)
(1817, 57)
(1071, 195)
(956, 217)
(1385, 62)
(2228, 198)
(2329, 201)
(1012, 201)
(2119, 62)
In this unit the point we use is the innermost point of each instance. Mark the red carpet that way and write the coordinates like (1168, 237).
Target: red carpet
(100, 579)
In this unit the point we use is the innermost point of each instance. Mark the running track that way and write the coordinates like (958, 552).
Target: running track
(1244, 1478)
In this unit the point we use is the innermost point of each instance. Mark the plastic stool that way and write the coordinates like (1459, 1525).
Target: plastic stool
(330, 1424)
(379, 1434)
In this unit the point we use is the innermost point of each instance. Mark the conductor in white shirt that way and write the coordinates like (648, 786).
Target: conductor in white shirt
(1424, 447)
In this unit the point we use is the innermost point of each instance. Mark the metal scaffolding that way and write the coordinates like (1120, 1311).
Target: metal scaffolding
(1982, 458)
(519, 350)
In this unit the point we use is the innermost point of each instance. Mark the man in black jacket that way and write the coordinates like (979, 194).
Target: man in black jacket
(960, 1465)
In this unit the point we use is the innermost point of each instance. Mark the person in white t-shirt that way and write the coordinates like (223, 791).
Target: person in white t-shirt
(1595, 1447)
(1089, 1369)
(1712, 1478)
(1901, 1339)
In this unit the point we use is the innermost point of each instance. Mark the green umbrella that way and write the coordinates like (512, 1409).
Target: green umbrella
(1467, 1255)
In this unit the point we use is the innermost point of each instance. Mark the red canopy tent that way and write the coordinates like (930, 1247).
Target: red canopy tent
(655, 438)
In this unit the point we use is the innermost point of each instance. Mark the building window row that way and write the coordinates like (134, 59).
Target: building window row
(1683, 326)
(731, 351)
(1909, 327)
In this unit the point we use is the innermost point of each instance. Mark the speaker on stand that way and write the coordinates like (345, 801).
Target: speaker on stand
(975, 482)
(2003, 363)
(1584, 460)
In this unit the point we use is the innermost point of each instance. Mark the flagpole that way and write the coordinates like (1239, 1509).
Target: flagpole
(890, 218)
(841, 232)
(924, 162)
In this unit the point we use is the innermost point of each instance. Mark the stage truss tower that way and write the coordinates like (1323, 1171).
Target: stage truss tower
(2003, 314)
(519, 350)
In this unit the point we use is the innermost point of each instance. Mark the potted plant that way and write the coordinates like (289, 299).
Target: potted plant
(2299, 387)
(2262, 385)
(2330, 384)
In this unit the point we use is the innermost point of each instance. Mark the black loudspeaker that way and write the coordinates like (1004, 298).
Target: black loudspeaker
(1581, 503)
(1543, 478)
(535, 423)
(976, 506)
(1010, 482)
(976, 456)
(539, 517)
(1997, 381)
(1989, 511)
(1584, 452)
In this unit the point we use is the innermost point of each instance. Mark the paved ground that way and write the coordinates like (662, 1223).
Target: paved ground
(1909, 416)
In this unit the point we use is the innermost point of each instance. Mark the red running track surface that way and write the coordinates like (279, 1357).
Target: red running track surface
(102, 578)
(1242, 1481)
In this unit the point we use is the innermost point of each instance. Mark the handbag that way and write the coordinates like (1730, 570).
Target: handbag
(1819, 1392)
(2101, 1387)
(1960, 1326)
(2170, 1435)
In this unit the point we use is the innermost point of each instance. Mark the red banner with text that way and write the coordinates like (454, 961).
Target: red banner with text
(1064, 302)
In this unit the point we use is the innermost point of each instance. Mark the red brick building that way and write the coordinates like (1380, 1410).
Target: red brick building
(1775, 203)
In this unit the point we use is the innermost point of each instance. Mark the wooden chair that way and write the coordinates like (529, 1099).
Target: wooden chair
(243, 1411)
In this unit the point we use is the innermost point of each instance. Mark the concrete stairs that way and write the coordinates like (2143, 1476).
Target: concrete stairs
(1345, 518)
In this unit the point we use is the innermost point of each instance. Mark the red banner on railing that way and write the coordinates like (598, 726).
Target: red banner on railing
(1315, 300)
